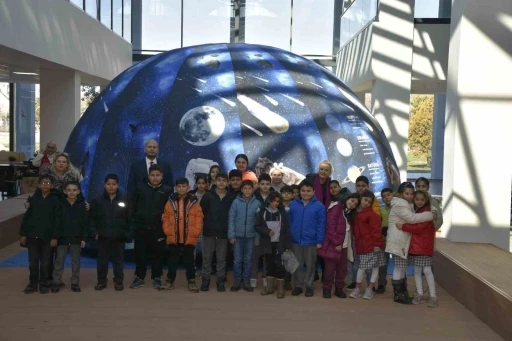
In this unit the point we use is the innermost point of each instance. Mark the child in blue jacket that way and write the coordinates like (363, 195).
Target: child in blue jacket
(241, 234)
(307, 225)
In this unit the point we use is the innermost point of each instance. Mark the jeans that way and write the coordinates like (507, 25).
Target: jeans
(219, 246)
(188, 260)
(62, 251)
(148, 243)
(110, 249)
(39, 253)
(242, 262)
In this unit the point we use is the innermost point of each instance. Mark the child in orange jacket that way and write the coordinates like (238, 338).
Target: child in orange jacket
(182, 223)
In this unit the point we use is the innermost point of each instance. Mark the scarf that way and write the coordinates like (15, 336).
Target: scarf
(322, 192)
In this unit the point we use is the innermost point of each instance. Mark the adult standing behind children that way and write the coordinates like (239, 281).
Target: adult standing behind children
(110, 228)
(215, 205)
(139, 170)
(147, 207)
(38, 228)
(182, 224)
(242, 164)
(307, 224)
(45, 158)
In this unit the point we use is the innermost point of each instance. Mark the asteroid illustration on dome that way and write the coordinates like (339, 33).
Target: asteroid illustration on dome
(206, 104)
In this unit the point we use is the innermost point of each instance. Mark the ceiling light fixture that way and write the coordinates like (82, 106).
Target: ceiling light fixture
(26, 73)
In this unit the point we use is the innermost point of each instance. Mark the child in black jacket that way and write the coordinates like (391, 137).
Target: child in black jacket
(71, 235)
(109, 227)
(39, 226)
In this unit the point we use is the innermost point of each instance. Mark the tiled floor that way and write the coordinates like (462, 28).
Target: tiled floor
(145, 314)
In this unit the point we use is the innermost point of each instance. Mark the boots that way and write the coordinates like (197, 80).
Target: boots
(400, 294)
(205, 284)
(192, 286)
(280, 288)
(269, 289)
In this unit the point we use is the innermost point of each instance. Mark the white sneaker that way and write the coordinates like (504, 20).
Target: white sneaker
(368, 294)
(254, 282)
(265, 282)
(356, 293)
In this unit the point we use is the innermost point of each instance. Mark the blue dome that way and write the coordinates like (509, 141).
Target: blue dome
(206, 104)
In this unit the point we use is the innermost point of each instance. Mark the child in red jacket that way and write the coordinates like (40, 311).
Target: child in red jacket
(369, 244)
(421, 249)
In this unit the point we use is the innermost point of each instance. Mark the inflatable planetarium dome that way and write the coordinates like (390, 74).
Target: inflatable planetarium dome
(206, 104)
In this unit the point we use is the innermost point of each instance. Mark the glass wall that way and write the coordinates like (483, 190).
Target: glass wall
(106, 13)
(267, 22)
(161, 25)
(356, 18)
(312, 27)
(78, 3)
(206, 21)
(91, 7)
(4, 117)
(127, 20)
(429, 9)
(117, 16)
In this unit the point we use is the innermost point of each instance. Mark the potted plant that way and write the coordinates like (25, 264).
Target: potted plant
(12, 159)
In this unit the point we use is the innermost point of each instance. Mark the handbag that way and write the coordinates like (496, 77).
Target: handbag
(290, 262)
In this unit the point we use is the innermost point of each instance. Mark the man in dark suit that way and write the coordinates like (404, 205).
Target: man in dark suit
(139, 169)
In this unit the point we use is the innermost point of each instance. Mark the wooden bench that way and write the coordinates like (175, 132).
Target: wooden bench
(11, 215)
(480, 277)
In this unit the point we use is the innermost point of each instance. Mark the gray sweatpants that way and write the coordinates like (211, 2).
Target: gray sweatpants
(220, 247)
(62, 251)
(305, 255)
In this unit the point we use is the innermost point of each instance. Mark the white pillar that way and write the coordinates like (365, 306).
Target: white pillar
(478, 138)
(392, 43)
(60, 105)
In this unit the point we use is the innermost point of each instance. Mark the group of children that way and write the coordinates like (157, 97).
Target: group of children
(223, 211)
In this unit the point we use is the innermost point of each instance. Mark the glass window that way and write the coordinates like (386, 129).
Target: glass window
(91, 7)
(106, 13)
(206, 21)
(161, 25)
(78, 3)
(356, 18)
(426, 9)
(4, 117)
(127, 20)
(117, 12)
(312, 27)
(267, 22)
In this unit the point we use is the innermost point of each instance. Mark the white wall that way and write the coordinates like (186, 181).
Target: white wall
(57, 31)
(430, 51)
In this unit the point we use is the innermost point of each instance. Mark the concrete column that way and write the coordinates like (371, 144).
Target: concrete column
(438, 136)
(60, 105)
(478, 140)
(392, 43)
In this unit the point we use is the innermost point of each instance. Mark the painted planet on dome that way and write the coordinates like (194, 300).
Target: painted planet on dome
(206, 104)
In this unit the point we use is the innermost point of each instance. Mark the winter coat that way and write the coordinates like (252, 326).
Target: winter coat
(285, 240)
(216, 213)
(74, 227)
(257, 194)
(148, 205)
(242, 217)
(423, 235)
(60, 180)
(367, 231)
(307, 222)
(436, 207)
(322, 192)
(376, 206)
(335, 231)
(43, 217)
(193, 224)
(109, 218)
(397, 242)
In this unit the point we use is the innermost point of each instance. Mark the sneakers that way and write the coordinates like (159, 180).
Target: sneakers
(368, 294)
(356, 293)
(326, 293)
(236, 286)
(137, 283)
(192, 286)
(418, 299)
(254, 283)
(351, 286)
(30, 288)
(205, 284)
(55, 289)
(100, 286)
(432, 302)
(338, 292)
(157, 283)
(247, 285)
(381, 289)
(220, 286)
(75, 288)
(168, 285)
(297, 291)
(118, 286)
(309, 292)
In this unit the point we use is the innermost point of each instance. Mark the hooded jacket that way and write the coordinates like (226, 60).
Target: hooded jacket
(43, 217)
(109, 217)
(148, 205)
(193, 224)
(216, 213)
(264, 215)
(397, 242)
(335, 231)
(422, 235)
(242, 218)
(367, 231)
(74, 227)
(307, 222)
